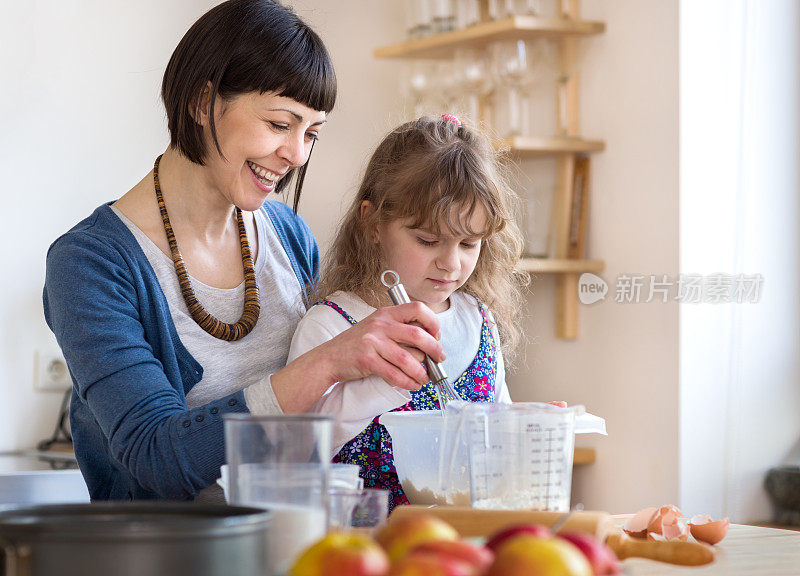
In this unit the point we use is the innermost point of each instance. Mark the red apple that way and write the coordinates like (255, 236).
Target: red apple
(340, 553)
(600, 557)
(527, 555)
(406, 532)
(477, 556)
(537, 530)
(430, 564)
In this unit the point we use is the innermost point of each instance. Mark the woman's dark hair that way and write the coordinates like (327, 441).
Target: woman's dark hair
(244, 46)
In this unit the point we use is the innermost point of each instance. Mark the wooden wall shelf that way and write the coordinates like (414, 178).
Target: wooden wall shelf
(583, 456)
(560, 265)
(549, 146)
(567, 263)
(515, 28)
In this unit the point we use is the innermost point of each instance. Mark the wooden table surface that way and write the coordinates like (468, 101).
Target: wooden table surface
(745, 551)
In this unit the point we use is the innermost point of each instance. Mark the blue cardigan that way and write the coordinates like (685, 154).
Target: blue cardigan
(134, 436)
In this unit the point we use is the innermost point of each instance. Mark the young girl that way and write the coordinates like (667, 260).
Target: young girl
(434, 207)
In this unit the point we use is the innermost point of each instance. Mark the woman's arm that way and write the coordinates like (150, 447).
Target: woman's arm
(384, 344)
(136, 409)
(354, 404)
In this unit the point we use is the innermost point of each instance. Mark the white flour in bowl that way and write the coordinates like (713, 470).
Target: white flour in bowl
(426, 496)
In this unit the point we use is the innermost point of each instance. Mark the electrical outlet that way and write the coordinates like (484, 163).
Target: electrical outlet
(51, 373)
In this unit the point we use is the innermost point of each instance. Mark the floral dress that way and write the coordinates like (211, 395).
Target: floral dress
(372, 448)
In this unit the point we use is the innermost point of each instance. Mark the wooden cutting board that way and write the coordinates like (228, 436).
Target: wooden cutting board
(471, 522)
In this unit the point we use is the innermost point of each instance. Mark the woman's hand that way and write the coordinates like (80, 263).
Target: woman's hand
(389, 343)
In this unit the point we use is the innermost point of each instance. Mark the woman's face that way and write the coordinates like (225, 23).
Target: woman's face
(262, 136)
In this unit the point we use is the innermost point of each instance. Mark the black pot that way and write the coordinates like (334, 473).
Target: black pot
(134, 539)
(783, 486)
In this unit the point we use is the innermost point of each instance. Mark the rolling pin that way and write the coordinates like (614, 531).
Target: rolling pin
(472, 522)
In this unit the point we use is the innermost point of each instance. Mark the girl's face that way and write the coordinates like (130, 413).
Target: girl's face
(262, 136)
(431, 265)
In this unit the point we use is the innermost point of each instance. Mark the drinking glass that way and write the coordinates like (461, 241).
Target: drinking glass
(360, 509)
(443, 16)
(281, 463)
(468, 13)
(538, 218)
(500, 9)
(418, 19)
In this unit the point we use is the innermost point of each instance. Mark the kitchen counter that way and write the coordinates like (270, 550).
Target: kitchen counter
(33, 477)
(745, 551)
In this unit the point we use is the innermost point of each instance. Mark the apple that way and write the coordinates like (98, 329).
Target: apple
(340, 553)
(478, 557)
(527, 555)
(431, 564)
(537, 530)
(399, 536)
(600, 557)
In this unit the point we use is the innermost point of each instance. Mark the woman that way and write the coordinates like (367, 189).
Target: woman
(176, 304)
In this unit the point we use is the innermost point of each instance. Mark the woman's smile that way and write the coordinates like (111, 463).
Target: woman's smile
(264, 179)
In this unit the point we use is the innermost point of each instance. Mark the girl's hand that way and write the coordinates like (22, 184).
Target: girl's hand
(389, 343)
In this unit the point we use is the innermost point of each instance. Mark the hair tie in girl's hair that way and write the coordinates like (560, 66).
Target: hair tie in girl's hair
(452, 119)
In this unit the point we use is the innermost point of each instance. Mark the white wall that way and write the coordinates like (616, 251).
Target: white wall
(82, 122)
(740, 213)
(624, 366)
(367, 107)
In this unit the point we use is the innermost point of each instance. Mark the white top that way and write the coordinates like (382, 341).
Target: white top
(355, 404)
(249, 362)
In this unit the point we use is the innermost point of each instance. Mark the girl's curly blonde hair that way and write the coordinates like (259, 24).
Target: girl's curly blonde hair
(434, 173)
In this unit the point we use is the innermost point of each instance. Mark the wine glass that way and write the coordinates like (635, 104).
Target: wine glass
(473, 81)
(443, 16)
(543, 87)
(418, 86)
(513, 71)
(448, 89)
(565, 72)
(500, 9)
(418, 19)
(468, 13)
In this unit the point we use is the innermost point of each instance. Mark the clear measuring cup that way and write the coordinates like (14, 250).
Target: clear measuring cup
(281, 463)
(520, 455)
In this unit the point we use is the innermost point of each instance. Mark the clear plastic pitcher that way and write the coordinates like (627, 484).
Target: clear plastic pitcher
(520, 455)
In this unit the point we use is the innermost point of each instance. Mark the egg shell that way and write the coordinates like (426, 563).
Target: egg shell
(636, 527)
(666, 515)
(675, 531)
(705, 530)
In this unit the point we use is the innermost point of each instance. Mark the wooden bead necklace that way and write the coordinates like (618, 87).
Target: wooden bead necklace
(252, 306)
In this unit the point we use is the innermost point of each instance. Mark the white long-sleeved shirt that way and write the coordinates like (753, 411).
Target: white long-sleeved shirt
(356, 403)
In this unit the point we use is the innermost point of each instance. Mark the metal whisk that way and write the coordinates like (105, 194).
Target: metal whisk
(444, 390)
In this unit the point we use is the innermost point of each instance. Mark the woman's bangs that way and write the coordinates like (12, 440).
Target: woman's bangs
(307, 74)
